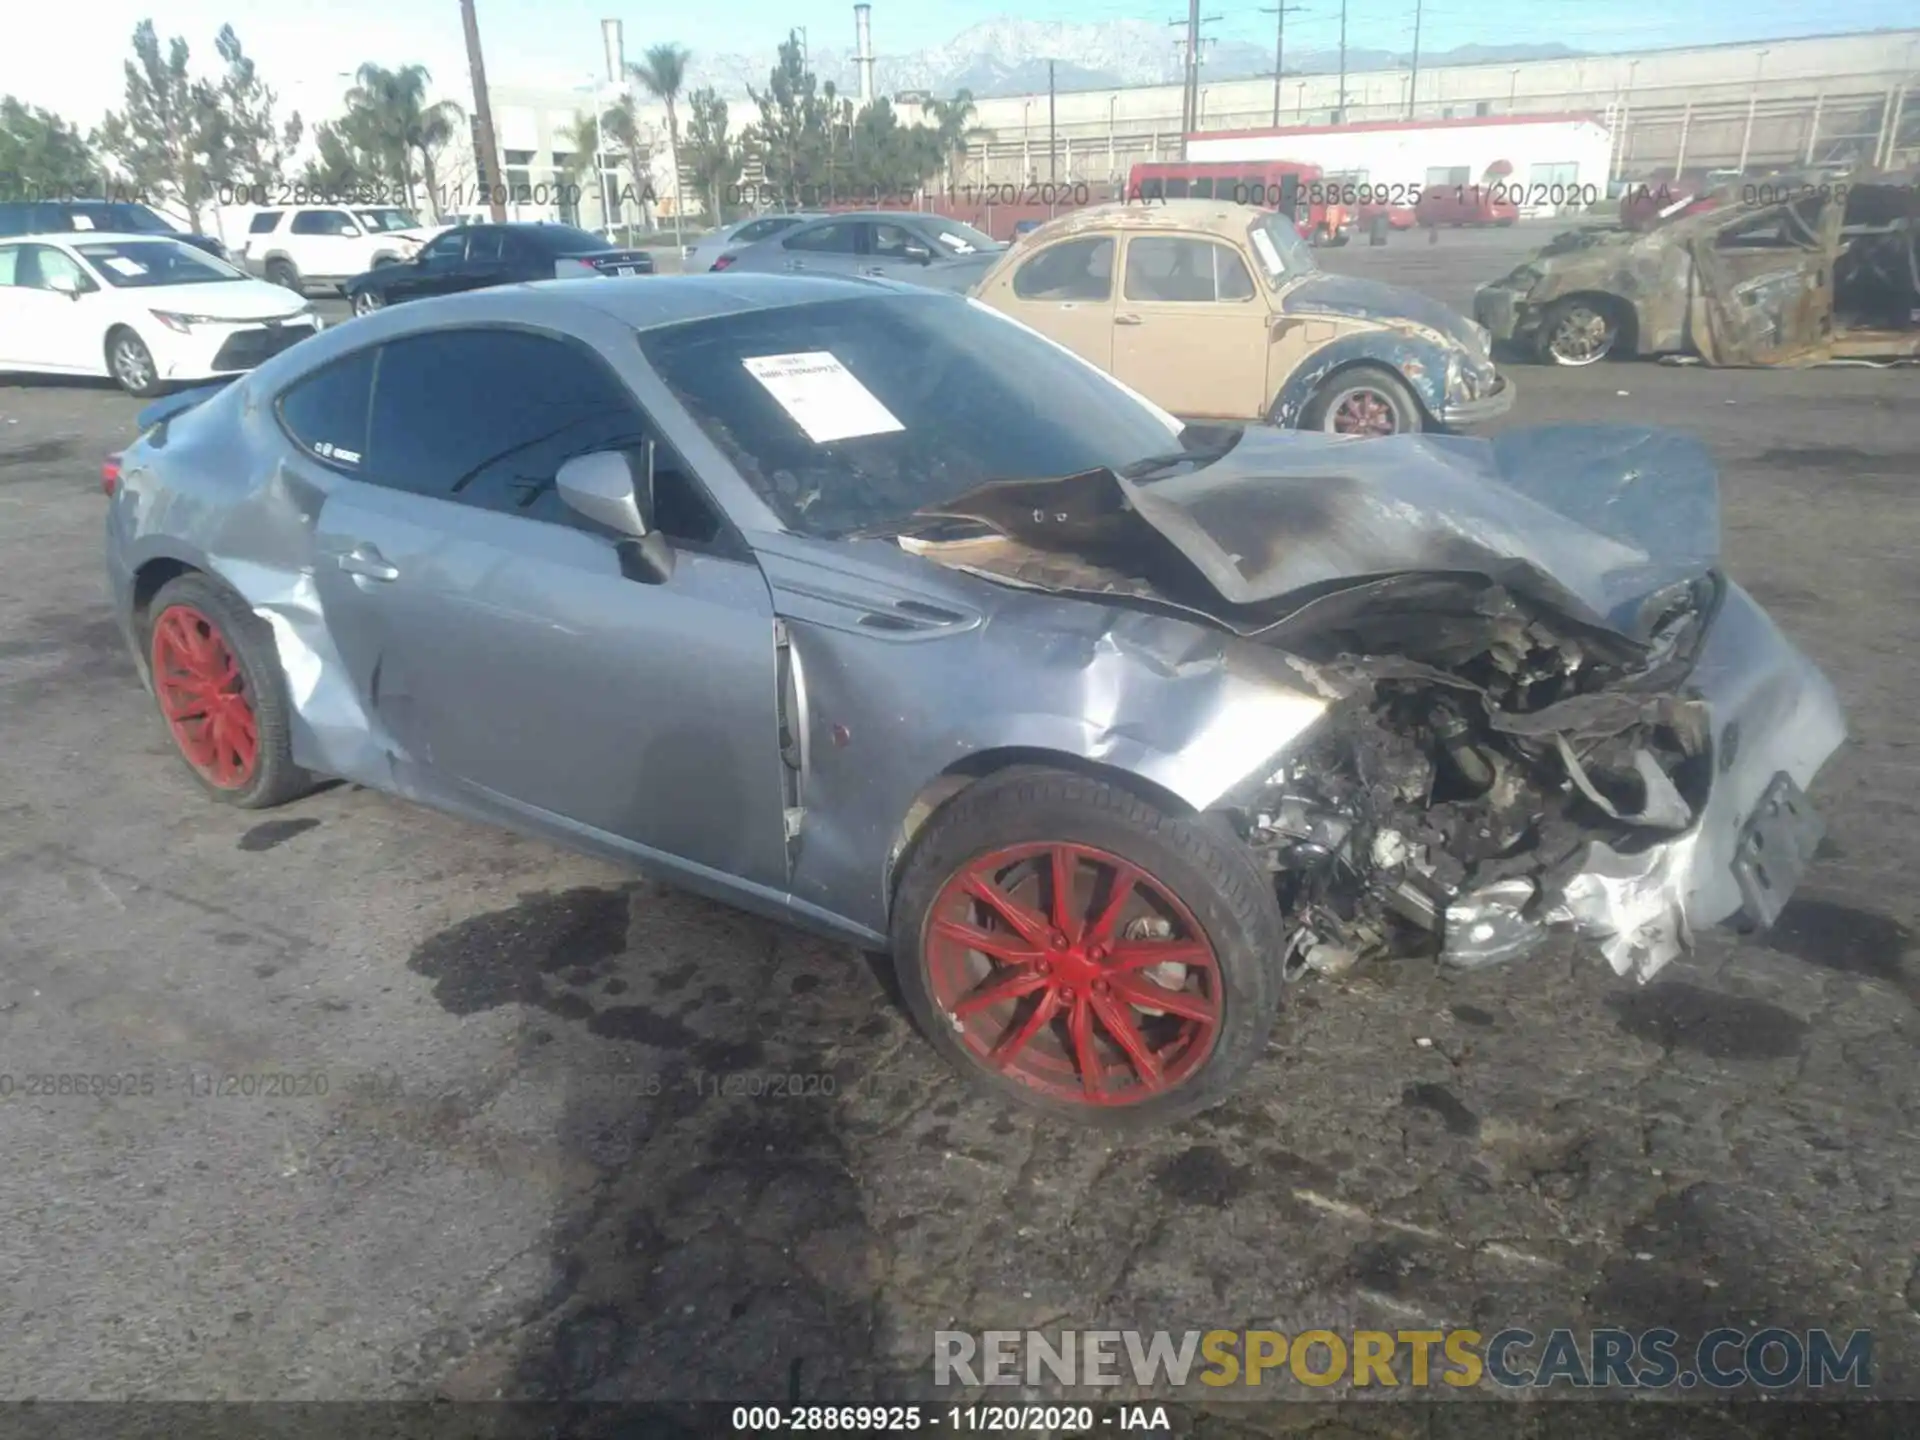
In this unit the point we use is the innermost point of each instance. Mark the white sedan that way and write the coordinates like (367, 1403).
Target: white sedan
(147, 311)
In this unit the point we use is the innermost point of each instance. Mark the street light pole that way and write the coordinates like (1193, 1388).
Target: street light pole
(1413, 87)
(488, 160)
(1341, 113)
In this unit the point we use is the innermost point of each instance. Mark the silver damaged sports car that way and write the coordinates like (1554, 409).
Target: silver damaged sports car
(866, 608)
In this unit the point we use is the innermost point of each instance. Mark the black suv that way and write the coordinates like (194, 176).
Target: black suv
(117, 217)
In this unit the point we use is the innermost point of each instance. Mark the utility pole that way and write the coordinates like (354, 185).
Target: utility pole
(487, 162)
(1340, 115)
(806, 62)
(1280, 11)
(1053, 167)
(1413, 90)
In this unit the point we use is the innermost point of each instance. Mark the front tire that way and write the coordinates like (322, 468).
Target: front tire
(1576, 332)
(217, 682)
(130, 363)
(1071, 948)
(365, 302)
(1364, 400)
(283, 274)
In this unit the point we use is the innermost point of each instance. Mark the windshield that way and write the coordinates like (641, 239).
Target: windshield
(138, 264)
(962, 239)
(113, 215)
(1283, 254)
(565, 240)
(856, 413)
(378, 221)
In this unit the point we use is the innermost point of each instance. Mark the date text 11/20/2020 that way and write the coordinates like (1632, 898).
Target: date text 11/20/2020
(445, 198)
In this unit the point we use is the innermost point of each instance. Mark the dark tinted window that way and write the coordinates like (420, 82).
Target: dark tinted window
(1176, 189)
(836, 238)
(487, 416)
(761, 229)
(327, 411)
(13, 218)
(263, 223)
(964, 397)
(117, 216)
(446, 248)
(484, 244)
(1072, 270)
(320, 222)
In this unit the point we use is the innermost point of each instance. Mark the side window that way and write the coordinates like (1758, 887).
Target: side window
(9, 264)
(756, 230)
(487, 417)
(448, 247)
(320, 222)
(484, 245)
(326, 413)
(1176, 189)
(891, 241)
(837, 238)
(1179, 269)
(263, 223)
(35, 266)
(1072, 270)
(1783, 227)
(1203, 188)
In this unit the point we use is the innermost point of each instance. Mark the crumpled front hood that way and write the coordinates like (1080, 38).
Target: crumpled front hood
(1346, 295)
(1591, 519)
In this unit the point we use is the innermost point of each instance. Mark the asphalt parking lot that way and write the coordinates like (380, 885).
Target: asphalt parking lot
(519, 1180)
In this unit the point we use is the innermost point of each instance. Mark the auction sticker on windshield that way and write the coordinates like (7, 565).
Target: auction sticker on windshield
(824, 398)
(120, 265)
(1269, 254)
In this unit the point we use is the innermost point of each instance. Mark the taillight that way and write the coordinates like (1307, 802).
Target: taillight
(110, 474)
(720, 264)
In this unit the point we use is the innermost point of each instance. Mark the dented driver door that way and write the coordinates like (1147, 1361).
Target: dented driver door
(1765, 291)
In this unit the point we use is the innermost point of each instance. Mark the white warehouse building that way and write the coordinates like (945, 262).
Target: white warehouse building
(1543, 163)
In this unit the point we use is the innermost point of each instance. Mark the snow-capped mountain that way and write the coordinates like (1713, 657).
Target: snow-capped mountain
(1007, 56)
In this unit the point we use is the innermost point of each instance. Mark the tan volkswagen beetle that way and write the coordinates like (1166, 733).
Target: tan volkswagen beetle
(1219, 311)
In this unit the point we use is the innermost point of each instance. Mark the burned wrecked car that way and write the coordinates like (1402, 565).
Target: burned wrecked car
(870, 610)
(1795, 273)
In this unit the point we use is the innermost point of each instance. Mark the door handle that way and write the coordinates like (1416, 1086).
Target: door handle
(367, 562)
(1127, 320)
(873, 270)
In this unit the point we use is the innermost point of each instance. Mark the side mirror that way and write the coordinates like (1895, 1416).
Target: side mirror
(602, 488)
(920, 253)
(66, 284)
(352, 232)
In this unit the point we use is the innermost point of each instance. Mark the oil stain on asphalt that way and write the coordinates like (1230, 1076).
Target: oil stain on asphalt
(1680, 1016)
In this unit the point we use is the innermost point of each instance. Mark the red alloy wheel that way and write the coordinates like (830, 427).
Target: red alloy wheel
(203, 695)
(1364, 413)
(1074, 972)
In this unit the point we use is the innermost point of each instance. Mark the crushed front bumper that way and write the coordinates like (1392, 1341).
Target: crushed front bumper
(1505, 313)
(1774, 721)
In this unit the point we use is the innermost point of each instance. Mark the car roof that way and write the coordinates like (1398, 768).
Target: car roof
(1219, 217)
(653, 301)
(93, 237)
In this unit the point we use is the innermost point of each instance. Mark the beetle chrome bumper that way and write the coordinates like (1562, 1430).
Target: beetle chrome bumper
(1494, 403)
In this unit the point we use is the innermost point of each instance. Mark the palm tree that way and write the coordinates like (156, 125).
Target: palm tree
(401, 122)
(581, 136)
(663, 74)
(950, 123)
(623, 132)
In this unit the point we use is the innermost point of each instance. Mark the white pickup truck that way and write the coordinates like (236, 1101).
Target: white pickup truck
(299, 246)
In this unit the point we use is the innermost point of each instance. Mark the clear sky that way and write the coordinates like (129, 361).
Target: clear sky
(70, 60)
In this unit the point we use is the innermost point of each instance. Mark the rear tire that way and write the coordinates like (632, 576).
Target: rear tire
(1576, 332)
(283, 274)
(217, 683)
(1111, 1055)
(1363, 400)
(365, 302)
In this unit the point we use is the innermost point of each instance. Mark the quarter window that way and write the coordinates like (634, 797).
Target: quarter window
(1179, 269)
(263, 223)
(321, 222)
(1072, 270)
(326, 413)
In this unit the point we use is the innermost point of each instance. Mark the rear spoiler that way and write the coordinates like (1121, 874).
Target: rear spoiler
(179, 403)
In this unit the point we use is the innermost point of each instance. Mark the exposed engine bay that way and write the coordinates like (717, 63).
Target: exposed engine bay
(1505, 635)
(1464, 781)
